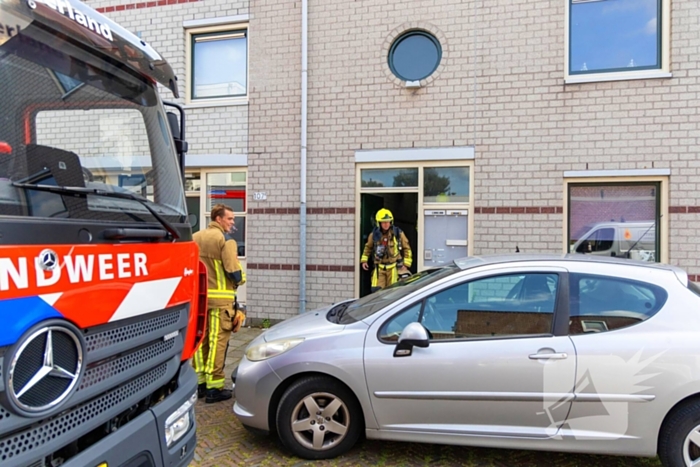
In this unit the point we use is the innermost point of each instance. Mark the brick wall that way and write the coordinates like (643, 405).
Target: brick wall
(499, 88)
(213, 130)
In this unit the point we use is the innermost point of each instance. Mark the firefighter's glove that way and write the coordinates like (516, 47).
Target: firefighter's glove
(238, 319)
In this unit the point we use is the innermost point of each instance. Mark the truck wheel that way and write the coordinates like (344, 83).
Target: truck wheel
(318, 418)
(679, 442)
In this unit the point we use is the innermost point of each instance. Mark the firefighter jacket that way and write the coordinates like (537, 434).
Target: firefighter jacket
(389, 247)
(219, 253)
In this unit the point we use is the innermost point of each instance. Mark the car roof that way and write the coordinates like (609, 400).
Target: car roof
(474, 261)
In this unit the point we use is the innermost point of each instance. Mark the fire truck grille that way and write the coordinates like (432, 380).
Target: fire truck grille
(81, 415)
(114, 336)
(117, 354)
(114, 367)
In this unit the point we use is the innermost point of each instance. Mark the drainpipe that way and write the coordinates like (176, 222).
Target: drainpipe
(302, 191)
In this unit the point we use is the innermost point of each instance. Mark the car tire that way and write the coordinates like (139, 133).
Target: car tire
(679, 442)
(318, 418)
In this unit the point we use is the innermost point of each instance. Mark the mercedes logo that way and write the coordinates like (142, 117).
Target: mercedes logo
(48, 260)
(45, 369)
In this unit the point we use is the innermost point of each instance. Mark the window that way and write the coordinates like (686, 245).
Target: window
(229, 188)
(615, 219)
(507, 305)
(446, 185)
(415, 55)
(219, 64)
(389, 178)
(609, 36)
(601, 304)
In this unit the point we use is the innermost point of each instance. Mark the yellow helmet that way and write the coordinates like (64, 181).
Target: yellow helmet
(384, 215)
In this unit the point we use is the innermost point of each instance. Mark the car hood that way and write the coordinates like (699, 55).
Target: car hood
(308, 324)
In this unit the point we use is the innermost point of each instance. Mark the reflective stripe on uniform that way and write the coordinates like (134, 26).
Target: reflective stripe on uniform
(214, 326)
(221, 291)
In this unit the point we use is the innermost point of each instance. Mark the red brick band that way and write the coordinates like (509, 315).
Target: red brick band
(520, 210)
(140, 5)
(684, 209)
(694, 277)
(296, 211)
(295, 267)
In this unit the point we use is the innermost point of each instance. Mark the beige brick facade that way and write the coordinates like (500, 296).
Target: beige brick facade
(499, 89)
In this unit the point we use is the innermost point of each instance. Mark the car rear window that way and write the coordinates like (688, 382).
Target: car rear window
(604, 303)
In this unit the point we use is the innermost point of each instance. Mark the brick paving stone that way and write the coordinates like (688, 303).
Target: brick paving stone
(223, 442)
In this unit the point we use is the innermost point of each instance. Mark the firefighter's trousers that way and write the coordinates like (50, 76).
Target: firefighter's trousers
(211, 355)
(384, 275)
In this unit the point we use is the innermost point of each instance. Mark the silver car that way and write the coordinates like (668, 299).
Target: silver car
(563, 353)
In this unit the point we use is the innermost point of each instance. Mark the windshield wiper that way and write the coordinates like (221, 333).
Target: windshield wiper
(81, 191)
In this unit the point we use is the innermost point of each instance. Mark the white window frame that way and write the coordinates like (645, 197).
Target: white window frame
(622, 176)
(231, 26)
(420, 163)
(663, 72)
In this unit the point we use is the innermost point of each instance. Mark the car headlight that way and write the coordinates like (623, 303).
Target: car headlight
(271, 349)
(179, 421)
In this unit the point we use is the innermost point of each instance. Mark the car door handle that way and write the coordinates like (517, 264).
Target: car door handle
(549, 356)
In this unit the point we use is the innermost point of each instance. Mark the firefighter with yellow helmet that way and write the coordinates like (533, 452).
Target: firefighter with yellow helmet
(390, 250)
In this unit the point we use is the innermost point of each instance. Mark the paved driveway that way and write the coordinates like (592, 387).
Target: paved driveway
(223, 442)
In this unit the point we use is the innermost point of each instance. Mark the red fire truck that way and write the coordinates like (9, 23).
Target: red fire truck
(102, 296)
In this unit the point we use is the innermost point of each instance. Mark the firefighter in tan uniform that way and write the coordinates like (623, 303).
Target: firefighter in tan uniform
(219, 252)
(390, 250)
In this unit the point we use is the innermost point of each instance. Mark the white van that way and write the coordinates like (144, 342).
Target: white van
(636, 240)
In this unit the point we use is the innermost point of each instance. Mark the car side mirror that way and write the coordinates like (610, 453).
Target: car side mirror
(413, 335)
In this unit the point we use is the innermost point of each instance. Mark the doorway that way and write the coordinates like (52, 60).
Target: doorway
(431, 203)
(404, 207)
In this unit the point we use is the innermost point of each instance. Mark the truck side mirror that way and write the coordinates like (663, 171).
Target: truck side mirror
(178, 131)
(180, 144)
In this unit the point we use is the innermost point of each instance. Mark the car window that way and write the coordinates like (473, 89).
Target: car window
(392, 329)
(600, 240)
(602, 303)
(504, 305)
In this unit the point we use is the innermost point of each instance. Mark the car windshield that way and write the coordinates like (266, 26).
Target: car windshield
(73, 119)
(372, 303)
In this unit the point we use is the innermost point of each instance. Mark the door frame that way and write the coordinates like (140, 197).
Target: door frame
(204, 214)
(420, 165)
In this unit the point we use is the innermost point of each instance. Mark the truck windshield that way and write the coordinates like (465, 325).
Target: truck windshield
(72, 119)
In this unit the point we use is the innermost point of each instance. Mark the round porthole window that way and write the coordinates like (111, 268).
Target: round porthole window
(414, 55)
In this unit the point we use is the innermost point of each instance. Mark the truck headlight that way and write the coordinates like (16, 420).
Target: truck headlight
(270, 349)
(179, 421)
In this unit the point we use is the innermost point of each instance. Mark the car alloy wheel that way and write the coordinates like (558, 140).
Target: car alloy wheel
(679, 441)
(318, 417)
(691, 448)
(320, 421)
